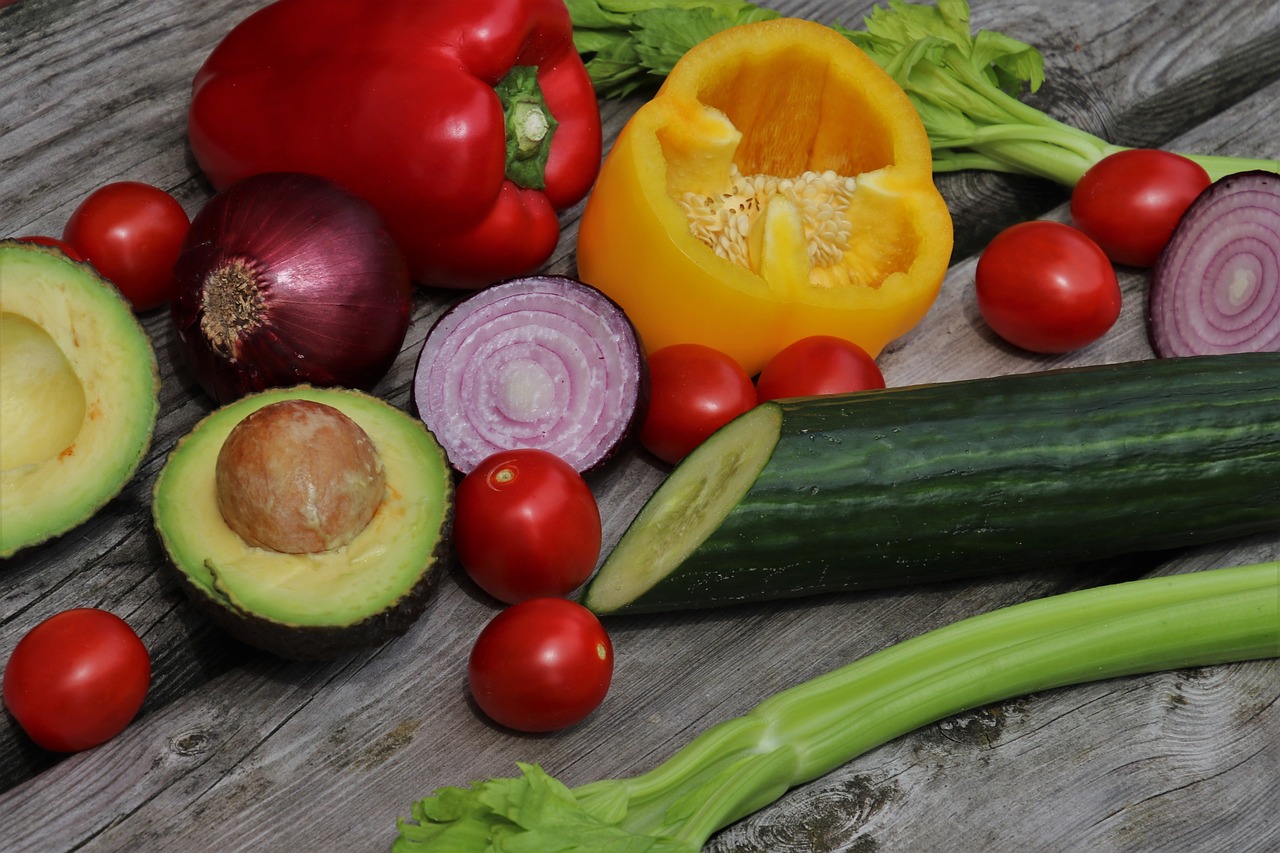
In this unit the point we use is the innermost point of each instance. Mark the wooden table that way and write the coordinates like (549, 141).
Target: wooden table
(235, 749)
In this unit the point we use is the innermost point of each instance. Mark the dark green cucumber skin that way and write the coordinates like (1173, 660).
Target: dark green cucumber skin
(939, 482)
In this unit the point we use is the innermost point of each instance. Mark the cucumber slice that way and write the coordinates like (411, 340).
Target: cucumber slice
(693, 501)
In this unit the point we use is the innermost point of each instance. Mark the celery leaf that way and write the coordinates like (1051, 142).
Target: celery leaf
(531, 813)
(630, 46)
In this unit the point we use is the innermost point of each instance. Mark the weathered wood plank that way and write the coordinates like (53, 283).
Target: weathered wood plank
(238, 750)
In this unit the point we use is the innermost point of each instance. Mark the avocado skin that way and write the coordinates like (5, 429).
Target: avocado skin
(313, 642)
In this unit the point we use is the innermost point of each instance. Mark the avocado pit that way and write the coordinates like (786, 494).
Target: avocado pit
(299, 477)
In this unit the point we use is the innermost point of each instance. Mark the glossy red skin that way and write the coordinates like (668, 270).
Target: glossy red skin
(52, 243)
(693, 391)
(818, 365)
(526, 525)
(395, 101)
(1046, 287)
(1130, 202)
(541, 665)
(338, 295)
(77, 679)
(132, 234)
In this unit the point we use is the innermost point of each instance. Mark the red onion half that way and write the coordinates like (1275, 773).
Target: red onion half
(545, 362)
(1216, 287)
(288, 279)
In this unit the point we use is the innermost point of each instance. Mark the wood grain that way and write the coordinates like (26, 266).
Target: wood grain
(237, 750)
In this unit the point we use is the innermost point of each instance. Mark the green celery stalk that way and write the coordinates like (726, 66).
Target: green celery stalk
(741, 765)
(965, 86)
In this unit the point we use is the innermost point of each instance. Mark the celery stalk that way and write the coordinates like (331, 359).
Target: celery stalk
(965, 86)
(743, 764)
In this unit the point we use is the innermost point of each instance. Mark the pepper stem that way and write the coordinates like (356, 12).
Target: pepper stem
(530, 126)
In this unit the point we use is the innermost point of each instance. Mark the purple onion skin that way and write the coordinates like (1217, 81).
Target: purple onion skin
(1216, 287)
(332, 289)
(466, 358)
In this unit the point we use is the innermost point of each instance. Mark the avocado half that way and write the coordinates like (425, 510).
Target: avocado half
(78, 394)
(312, 606)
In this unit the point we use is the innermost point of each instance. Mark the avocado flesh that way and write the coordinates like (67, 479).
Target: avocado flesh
(78, 394)
(309, 606)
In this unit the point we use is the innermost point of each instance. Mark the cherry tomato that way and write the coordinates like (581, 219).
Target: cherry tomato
(693, 391)
(1131, 201)
(526, 525)
(1046, 287)
(132, 233)
(77, 679)
(53, 243)
(541, 665)
(821, 364)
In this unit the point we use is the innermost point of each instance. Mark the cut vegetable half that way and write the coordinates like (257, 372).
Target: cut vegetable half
(1216, 287)
(78, 385)
(317, 604)
(545, 362)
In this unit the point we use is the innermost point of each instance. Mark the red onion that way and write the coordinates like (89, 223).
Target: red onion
(1216, 287)
(286, 279)
(545, 362)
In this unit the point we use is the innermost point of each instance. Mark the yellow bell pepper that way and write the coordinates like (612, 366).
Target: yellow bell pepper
(778, 185)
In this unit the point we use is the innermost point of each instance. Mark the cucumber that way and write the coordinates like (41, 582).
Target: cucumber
(936, 482)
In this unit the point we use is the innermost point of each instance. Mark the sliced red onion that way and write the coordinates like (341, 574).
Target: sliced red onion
(1216, 287)
(286, 279)
(545, 362)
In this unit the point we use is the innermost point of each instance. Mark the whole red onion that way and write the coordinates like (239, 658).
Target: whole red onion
(285, 279)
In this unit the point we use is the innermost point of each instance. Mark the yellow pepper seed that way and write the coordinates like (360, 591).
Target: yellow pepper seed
(725, 222)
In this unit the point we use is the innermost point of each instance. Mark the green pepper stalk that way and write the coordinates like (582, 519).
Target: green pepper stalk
(530, 126)
(964, 86)
(806, 731)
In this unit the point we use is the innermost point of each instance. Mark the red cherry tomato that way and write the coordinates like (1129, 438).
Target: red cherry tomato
(693, 391)
(132, 233)
(541, 665)
(53, 243)
(1131, 201)
(1046, 287)
(821, 364)
(77, 679)
(526, 525)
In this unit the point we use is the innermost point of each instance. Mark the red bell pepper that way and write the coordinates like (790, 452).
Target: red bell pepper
(468, 125)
